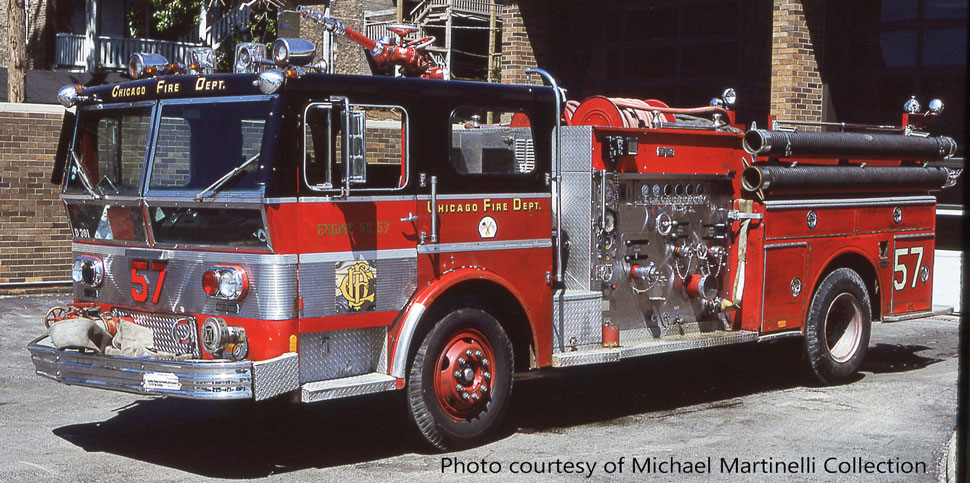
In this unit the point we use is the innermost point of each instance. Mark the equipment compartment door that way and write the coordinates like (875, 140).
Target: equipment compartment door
(912, 282)
(784, 295)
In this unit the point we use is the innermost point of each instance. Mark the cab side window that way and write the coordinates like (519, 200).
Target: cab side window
(490, 141)
(385, 137)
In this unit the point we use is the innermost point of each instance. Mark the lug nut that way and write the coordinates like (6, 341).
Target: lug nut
(483, 388)
(468, 352)
(478, 354)
(485, 362)
(465, 396)
(458, 388)
(457, 374)
(475, 396)
(487, 375)
(462, 361)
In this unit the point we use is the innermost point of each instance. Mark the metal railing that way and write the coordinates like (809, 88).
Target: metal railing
(481, 7)
(71, 50)
(234, 20)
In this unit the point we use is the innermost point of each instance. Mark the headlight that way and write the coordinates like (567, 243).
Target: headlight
(225, 282)
(248, 57)
(68, 95)
(287, 51)
(87, 269)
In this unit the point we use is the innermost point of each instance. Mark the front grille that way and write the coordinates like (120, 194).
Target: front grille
(178, 334)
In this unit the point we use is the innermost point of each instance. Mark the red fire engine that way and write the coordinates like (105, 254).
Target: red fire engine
(278, 231)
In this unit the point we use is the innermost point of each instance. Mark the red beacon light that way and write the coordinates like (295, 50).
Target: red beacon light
(225, 282)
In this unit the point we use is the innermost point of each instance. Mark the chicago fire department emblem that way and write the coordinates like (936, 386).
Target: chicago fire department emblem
(356, 286)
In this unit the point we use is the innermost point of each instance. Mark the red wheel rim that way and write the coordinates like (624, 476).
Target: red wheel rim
(463, 374)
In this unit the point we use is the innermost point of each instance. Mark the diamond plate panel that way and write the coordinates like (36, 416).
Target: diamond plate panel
(340, 353)
(577, 190)
(276, 376)
(653, 346)
(347, 387)
(580, 324)
(272, 291)
(396, 282)
(165, 336)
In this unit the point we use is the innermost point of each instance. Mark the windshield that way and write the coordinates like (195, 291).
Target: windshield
(198, 144)
(110, 143)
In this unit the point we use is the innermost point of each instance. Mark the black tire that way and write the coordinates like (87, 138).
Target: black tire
(443, 419)
(838, 326)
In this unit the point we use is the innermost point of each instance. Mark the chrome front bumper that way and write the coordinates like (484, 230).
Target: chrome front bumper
(195, 379)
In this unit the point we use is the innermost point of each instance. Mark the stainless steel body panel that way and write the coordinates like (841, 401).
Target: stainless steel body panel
(272, 292)
(653, 346)
(396, 279)
(577, 215)
(577, 321)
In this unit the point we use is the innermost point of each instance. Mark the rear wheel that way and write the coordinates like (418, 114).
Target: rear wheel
(838, 326)
(460, 380)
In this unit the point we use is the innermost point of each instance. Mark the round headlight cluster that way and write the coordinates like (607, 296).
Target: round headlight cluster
(88, 270)
(225, 282)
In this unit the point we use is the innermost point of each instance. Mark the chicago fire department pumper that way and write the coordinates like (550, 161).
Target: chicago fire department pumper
(280, 231)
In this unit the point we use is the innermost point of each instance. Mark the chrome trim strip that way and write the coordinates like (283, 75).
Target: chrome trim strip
(844, 202)
(493, 196)
(354, 255)
(485, 246)
(352, 199)
(779, 335)
(213, 100)
(206, 256)
(404, 339)
(914, 236)
(946, 212)
(280, 201)
(786, 245)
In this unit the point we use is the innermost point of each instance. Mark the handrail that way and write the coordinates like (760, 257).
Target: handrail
(557, 179)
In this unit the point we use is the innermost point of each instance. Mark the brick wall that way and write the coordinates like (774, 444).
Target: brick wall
(524, 37)
(35, 240)
(796, 85)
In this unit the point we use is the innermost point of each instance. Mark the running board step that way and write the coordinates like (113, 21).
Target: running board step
(645, 347)
(937, 310)
(347, 387)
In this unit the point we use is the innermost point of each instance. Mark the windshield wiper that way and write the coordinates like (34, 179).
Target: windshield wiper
(213, 188)
(85, 179)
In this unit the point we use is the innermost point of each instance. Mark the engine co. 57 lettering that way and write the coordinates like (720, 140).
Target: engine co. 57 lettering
(140, 283)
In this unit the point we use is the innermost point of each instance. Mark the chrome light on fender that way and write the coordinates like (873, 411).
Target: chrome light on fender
(223, 340)
(225, 282)
(68, 95)
(289, 51)
(912, 106)
(936, 107)
(200, 60)
(144, 64)
(249, 55)
(88, 270)
(270, 81)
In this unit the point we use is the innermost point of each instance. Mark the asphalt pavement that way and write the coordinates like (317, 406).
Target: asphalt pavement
(740, 413)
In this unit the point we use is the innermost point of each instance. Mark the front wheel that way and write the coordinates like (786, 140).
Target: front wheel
(838, 326)
(460, 380)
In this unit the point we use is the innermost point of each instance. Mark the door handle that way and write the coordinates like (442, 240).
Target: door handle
(410, 218)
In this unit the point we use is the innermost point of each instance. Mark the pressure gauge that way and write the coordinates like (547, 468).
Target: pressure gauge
(609, 221)
(645, 190)
(656, 190)
(609, 193)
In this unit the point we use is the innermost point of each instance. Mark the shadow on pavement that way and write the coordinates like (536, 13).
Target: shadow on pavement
(214, 440)
(887, 358)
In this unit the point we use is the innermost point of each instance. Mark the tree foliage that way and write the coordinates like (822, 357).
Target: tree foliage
(168, 19)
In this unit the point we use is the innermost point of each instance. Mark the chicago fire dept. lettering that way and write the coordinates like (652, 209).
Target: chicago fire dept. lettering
(119, 91)
(487, 205)
(202, 84)
(356, 286)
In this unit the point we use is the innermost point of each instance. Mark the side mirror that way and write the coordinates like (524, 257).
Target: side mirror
(356, 146)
